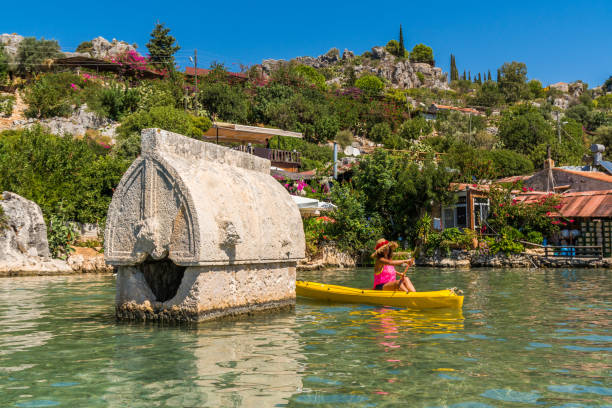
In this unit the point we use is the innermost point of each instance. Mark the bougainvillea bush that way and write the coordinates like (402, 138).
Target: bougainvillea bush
(539, 215)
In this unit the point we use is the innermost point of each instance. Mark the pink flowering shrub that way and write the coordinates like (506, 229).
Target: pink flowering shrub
(507, 210)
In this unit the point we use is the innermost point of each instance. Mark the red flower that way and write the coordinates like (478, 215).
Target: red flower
(524, 188)
(548, 213)
(501, 204)
(571, 220)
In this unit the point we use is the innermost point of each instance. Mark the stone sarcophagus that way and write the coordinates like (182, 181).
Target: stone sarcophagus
(198, 231)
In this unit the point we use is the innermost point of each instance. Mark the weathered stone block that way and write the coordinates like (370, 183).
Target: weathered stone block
(199, 231)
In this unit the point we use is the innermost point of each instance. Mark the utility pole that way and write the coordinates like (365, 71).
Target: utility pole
(558, 128)
(470, 126)
(195, 71)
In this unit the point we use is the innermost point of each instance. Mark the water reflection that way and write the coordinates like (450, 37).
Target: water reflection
(247, 364)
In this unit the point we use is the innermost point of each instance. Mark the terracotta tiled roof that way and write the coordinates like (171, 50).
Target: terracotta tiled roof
(513, 179)
(587, 204)
(204, 72)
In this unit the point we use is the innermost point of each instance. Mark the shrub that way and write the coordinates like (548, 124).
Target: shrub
(163, 117)
(506, 242)
(522, 128)
(312, 155)
(310, 75)
(422, 53)
(508, 163)
(353, 230)
(53, 94)
(6, 105)
(412, 129)
(33, 55)
(421, 77)
(535, 237)
(114, 101)
(159, 93)
(344, 138)
(393, 47)
(325, 128)
(85, 46)
(380, 132)
(370, 84)
(4, 66)
(61, 234)
(535, 89)
(225, 102)
(64, 176)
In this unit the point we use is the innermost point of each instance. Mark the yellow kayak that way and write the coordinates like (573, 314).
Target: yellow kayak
(415, 300)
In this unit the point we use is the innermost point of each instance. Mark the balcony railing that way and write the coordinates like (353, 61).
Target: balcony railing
(274, 155)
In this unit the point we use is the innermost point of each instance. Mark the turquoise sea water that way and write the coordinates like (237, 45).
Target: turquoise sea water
(524, 338)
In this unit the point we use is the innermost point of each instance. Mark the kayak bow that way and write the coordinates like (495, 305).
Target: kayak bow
(415, 300)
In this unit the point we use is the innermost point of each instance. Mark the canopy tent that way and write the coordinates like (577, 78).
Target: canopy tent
(232, 133)
(311, 206)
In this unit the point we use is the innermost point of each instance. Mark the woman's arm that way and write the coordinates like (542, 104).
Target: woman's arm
(396, 261)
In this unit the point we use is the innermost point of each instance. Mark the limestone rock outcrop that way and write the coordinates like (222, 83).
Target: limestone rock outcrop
(400, 73)
(77, 124)
(11, 44)
(104, 49)
(23, 238)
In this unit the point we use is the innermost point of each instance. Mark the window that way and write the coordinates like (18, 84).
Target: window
(461, 212)
(449, 218)
(461, 215)
(481, 211)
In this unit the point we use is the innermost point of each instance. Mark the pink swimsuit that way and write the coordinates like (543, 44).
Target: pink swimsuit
(387, 274)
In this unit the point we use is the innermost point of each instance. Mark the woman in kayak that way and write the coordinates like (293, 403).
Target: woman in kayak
(384, 269)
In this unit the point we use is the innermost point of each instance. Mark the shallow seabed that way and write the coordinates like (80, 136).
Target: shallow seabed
(524, 338)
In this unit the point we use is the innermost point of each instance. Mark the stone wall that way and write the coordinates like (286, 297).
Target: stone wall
(467, 259)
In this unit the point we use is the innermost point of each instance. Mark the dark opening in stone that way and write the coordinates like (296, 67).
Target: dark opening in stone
(163, 277)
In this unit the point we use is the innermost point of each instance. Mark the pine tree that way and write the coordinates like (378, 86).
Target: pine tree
(402, 49)
(489, 76)
(454, 74)
(162, 47)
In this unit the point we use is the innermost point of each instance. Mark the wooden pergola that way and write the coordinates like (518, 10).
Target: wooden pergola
(233, 133)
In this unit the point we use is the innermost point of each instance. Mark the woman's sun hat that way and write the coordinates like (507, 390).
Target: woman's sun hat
(382, 245)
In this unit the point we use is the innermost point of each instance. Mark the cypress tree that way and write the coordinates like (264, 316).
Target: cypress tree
(454, 74)
(402, 49)
(479, 80)
(469, 76)
(464, 77)
(162, 47)
(498, 75)
(489, 76)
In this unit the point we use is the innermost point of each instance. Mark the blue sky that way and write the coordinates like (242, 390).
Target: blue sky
(558, 40)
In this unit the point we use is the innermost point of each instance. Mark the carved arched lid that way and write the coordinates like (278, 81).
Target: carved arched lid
(200, 204)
